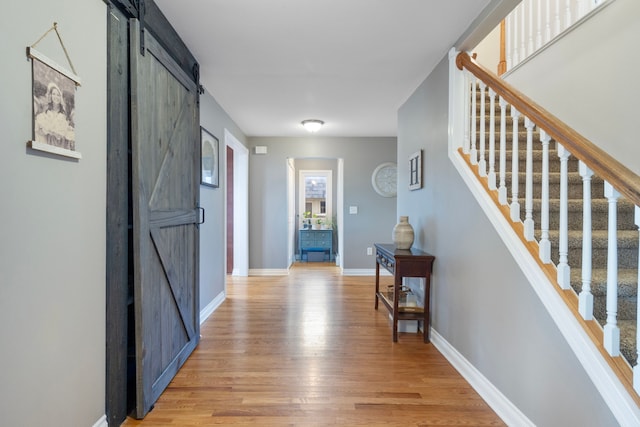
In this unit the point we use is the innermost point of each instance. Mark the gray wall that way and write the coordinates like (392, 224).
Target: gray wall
(268, 196)
(482, 303)
(212, 233)
(52, 227)
(595, 67)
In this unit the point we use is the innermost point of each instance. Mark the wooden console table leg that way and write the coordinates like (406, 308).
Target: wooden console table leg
(396, 297)
(427, 294)
(377, 283)
(425, 326)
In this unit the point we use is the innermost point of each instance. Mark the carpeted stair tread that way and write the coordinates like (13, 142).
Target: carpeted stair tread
(627, 281)
(599, 238)
(536, 157)
(573, 178)
(522, 137)
(599, 213)
(628, 340)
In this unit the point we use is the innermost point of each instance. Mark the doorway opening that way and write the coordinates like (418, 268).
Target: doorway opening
(239, 221)
(315, 200)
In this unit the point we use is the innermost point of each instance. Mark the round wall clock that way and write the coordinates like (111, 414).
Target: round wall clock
(384, 179)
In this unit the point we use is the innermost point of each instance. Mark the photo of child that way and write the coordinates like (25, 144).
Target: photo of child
(53, 107)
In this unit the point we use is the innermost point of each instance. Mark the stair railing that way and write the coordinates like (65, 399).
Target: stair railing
(542, 125)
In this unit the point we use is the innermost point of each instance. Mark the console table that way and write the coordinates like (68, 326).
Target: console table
(403, 263)
(316, 241)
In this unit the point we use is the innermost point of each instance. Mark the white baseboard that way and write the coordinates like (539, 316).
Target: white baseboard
(102, 422)
(268, 272)
(506, 410)
(212, 306)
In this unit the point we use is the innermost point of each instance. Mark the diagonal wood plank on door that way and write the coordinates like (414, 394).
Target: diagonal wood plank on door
(177, 135)
(175, 279)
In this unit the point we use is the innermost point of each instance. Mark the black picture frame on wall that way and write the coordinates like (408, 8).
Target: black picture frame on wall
(209, 154)
(415, 170)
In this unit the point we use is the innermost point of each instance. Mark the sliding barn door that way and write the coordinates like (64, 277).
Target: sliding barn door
(165, 184)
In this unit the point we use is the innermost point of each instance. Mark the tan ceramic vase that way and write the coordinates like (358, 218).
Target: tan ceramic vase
(403, 234)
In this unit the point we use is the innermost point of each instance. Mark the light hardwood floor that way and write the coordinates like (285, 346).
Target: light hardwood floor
(309, 349)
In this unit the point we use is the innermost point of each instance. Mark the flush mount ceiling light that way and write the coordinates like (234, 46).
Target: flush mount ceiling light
(312, 125)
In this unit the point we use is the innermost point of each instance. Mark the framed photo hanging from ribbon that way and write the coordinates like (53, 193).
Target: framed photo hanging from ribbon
(54, 90)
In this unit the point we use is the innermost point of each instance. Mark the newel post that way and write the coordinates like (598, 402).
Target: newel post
(459, 120)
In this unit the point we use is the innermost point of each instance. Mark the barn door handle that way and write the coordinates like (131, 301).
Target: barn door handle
(202, 210)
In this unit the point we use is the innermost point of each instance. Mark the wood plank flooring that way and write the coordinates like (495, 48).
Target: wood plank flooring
(309, 349)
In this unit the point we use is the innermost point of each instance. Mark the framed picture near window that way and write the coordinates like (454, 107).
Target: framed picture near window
(415, 170)
(209, 174)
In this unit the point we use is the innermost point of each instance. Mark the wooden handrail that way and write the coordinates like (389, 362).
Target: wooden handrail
(625, 181)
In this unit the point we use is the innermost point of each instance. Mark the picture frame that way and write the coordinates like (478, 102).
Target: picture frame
(209, 159)
(53, 114)
(415, 170)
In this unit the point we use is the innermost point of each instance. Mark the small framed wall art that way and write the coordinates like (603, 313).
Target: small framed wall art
(54, 103)
(415, 170)
(208, 159)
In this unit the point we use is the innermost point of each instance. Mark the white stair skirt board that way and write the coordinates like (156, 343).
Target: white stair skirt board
(212, 306)
(502, 406)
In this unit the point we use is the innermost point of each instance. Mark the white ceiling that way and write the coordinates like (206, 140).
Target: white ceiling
(272, 63)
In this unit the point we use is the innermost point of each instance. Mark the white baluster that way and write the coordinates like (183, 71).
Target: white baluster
(491, 177)
(523, 51)
(514, 37)
(563, 267)
(567, 15)
(502, 190)
(467, 111)
(611, 330)
(530, 49)
(515, 205)
(545, 244)
(582, 8)
(547, 22)
(539, 25)
(528, 201)
(585, 299)
(636, 369)
(556, 27)
(474, 117)
(482, 163)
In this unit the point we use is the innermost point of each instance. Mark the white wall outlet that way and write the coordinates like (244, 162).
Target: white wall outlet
(353, 210)
(369, 251)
